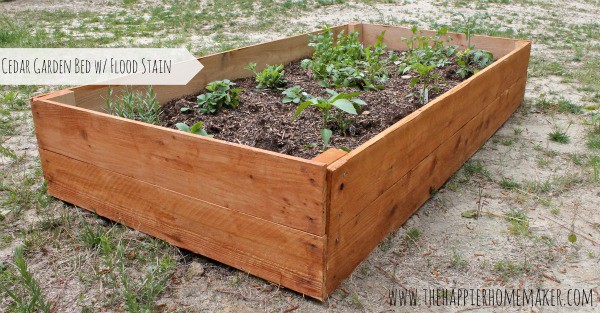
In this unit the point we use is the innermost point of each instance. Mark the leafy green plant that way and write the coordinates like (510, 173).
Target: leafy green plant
(271, 77)
(428, 50)
(345, 61)
(29, 297)
(471, 61)
(426, 79)
(342, 103)
(295, 95)
(220, 94)
(195, 129)
(468, 23)
(135, 105)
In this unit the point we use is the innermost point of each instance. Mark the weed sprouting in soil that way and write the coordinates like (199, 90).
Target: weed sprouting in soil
(22, 287)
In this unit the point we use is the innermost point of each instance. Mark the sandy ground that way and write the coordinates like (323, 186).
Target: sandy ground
(452, 251)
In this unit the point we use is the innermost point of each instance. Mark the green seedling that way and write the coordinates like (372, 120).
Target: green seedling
(426, 79)
(341, 103)
(271, 77)
(295, 95)
(220, 94)
(195, 129)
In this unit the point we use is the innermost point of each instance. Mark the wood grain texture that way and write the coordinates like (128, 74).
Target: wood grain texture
(393, 39)
(282, 189)
(350, 243)
(330, 155)
(280, 254)
(368, 171)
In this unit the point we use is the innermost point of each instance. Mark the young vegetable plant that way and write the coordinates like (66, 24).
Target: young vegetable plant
(344, 61)
(428, 50)
(271, 77)
(295, 95)
(195, 129)
(427, 79)
(341, 103)
(471, 60)
(220, 95)
(468, 24)
(135, 105)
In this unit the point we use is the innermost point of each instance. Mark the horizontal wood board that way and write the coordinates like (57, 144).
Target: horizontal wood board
(277, 253)
(285, 190)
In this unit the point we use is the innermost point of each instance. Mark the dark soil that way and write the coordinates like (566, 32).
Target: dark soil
(263, 121)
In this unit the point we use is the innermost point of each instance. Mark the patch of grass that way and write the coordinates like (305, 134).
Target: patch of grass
(457, 260)
(562, 105)
(594, 143)
(476, 168)
(519, 223)
(26, 293)
(509, 184)
(508, 269)
(412, 236)
(559, 136)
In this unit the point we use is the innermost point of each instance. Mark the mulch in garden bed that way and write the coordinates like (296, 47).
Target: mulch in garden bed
(261, 120)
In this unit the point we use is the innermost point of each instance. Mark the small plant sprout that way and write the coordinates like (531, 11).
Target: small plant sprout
(344, 103)
(220, 94)
(426, 79)
(295, 95)
(271, 77)
(195, 129)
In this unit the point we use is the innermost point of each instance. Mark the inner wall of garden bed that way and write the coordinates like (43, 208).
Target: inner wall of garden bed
(302, 223)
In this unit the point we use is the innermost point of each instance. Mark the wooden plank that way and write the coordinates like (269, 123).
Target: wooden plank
(330, 156)
(65, 96)
(229, 64)
(276, 187)
(393, 35)
(348, 244)
(369, 170)
(280, 254)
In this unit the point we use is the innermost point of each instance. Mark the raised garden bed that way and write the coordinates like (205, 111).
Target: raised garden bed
(302, 223)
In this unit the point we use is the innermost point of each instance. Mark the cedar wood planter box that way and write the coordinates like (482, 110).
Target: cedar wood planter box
(304, 224)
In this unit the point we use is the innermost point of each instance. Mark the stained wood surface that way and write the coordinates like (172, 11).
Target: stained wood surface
(282, 189)
(330, 155)
(393, 39)
(364, 174)
(280, 254)
(350, 243)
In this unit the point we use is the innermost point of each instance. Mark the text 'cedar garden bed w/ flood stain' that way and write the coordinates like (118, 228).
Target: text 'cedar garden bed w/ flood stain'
(261, 195)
